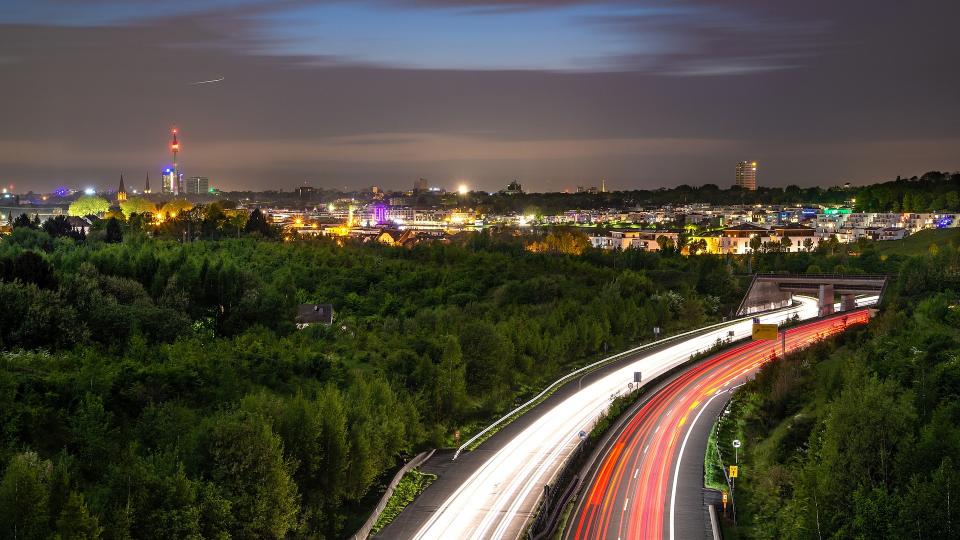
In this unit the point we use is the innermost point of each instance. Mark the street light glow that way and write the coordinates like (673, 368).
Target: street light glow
(463, 189)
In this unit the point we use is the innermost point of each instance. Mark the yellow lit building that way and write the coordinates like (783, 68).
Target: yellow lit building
(747, 175)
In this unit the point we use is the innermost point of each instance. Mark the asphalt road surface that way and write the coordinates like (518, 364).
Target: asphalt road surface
(493, 491)
(649, 482)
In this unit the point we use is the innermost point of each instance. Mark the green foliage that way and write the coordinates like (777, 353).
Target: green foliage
(412, 484)
(89, 205)
(857, 437)
(169, 388)
(137, 205)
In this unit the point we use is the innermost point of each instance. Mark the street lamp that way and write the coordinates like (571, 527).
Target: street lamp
(463, 189)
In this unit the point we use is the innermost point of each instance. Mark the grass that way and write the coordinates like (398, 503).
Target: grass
(920, 242)
(412, 484)
(712, 466)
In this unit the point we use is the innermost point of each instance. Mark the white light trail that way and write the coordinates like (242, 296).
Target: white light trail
(499, 498)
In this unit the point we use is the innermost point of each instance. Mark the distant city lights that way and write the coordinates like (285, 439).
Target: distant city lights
(90, 191)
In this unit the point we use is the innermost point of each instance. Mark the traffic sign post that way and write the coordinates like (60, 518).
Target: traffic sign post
(765, 331)
(734, 470)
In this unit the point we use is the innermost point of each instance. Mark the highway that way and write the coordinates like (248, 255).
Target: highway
(649, 480)
(498, 497)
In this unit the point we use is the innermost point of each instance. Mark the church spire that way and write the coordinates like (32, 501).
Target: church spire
(146, 188)
(121, 191)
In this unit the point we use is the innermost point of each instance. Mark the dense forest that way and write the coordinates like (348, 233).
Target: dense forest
(859, 437)
(151, 388)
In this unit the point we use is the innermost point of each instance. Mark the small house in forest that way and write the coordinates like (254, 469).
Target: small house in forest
(308, 314)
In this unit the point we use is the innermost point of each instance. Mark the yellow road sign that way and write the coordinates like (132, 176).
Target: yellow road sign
(733, 471)
(724, 501)
(765, 331)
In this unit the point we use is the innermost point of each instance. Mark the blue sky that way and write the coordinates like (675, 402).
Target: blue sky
(575, 36)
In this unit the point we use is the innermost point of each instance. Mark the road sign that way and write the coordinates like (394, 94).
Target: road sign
(636, 376)
(724, 501)
(582, 434)
(734, 470)
(736, 443)
(456, 435)
(765, 331)
(630, 386)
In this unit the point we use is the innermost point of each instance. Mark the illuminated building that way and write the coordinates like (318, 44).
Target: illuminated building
(421, 185)
(513, 188)
(305, 193)
(146, 187)
(121, 191)
(175, 148)
(167, 182)
(196, 185)
(747, 175)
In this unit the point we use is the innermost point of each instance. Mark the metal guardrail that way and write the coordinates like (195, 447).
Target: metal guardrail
(600, 363)
(418, 460)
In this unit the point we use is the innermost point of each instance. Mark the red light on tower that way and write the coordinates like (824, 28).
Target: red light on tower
(175, 145)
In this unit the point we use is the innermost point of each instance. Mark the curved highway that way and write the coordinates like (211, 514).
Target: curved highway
(498, 498)
(633, 489)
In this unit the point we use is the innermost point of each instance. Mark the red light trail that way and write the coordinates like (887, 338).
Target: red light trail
(633, 494)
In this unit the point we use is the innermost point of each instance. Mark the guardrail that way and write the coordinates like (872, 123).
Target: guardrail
(418, 460)
(600, 363)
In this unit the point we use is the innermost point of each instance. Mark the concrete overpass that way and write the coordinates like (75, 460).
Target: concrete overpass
(772, 291)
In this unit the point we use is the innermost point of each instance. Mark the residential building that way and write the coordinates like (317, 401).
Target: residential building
(747, 175)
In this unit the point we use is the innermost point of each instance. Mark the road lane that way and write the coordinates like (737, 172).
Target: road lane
(498, 499)
(635, 493)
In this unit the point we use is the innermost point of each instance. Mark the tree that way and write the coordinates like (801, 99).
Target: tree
(175, 207)
(451, 390)
(697, 246)
(75, 521)
(59, 227)
(257, 224)
(137, 205)
(89, 205)
(245, 458)
(23, 220)
(666, 244)
(114, 235)
(24, 496)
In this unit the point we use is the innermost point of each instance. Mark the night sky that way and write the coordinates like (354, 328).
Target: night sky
(555, 93)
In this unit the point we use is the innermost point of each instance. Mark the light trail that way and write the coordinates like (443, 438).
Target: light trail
(498, 499)
(676, 408)
(206, 82)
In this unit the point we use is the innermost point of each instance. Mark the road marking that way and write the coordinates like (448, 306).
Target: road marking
(625, 503)
(676, 470)
(637, 472)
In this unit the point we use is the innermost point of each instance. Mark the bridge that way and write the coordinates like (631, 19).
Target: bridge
(773, 291)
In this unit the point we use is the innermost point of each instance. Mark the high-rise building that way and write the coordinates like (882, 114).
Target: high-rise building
(747, 175)
(305, 193)
(197, 185)
(177, 183)
(121, 191)
(167, 182)
(421, 185)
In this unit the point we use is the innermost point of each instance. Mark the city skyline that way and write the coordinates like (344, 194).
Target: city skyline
(349, 95)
